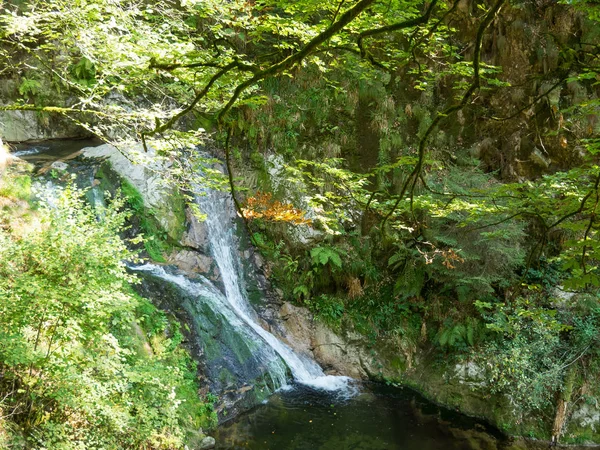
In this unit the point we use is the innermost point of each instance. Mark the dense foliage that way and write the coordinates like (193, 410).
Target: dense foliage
(84, 362)
(445, 154)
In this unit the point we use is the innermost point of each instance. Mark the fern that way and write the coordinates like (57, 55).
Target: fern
(30, 87)
(457, 335)
(411, 281)
(326, 255)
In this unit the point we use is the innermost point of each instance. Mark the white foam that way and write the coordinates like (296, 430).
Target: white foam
(31, 151)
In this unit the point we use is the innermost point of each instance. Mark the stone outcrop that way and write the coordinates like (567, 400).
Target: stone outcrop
(195, 262)
(207, 443)
(144, 171)
(21, 126)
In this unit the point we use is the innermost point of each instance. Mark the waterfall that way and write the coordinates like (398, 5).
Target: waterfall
(202, 291)
(217, 207)
(234, 306)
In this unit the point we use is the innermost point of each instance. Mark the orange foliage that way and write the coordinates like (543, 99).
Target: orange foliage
(261, 206)
(450, 257)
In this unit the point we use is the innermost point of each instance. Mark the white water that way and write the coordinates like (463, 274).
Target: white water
(216, 205)
(202, 287)
(30, 151)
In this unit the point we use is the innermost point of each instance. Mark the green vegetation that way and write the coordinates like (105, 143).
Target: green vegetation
(422, 171)
(85, 362)
(155, 237)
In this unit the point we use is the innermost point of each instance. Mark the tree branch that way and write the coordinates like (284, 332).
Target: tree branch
(295, 58)
(415, 174)
(397, 26)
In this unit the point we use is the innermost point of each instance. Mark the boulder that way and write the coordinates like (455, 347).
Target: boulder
(190, 261)
(207, 443)
(59, 165)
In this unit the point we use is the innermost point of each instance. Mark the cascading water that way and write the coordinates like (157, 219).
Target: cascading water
(210, 308)
(234, 307)
(216, 205)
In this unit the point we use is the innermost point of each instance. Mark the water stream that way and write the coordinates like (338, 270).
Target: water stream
(216, 205)
(234, 304)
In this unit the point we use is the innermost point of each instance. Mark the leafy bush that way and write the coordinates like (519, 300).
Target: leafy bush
(528, 355)
(77, 369)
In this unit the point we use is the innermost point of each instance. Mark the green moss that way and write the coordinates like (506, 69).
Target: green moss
(162, 227)
(226, 377)
(156, 239)
(172, 212)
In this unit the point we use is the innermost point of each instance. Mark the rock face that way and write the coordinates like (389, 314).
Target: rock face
(195, 235)
(139, 168)
(144, 172)
(345, 353)
(191, 261)
(21, 126)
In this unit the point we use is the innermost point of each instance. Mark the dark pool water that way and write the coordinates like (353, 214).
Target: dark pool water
(380, 418)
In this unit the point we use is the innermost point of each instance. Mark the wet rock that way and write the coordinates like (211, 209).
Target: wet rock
(196, 235)
(190, 261)
(207, 443)
(241, 370)
(144, 175)
(143, 170)
(59, 165)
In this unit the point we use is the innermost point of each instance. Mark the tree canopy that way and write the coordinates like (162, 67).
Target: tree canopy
(446, 153)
